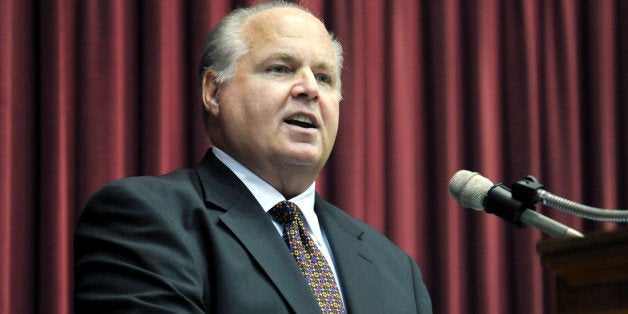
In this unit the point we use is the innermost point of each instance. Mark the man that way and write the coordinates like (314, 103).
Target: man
(207, 239)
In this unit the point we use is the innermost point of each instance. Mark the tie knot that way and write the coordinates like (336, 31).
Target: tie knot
(285, 212)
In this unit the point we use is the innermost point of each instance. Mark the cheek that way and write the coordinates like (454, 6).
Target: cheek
(331, 114)
(241, 106)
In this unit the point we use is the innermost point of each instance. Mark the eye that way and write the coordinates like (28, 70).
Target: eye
(278, 69)
(323, 78)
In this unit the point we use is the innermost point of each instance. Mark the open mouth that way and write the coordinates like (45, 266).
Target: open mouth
(301, 121)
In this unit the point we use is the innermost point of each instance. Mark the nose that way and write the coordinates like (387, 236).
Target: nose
(305, 85)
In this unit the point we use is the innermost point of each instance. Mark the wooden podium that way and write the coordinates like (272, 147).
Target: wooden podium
(591, 272)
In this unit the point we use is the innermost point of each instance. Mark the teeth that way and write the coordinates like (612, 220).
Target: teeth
(302, 119)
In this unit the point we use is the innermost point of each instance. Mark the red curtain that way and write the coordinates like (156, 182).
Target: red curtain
(96, 90)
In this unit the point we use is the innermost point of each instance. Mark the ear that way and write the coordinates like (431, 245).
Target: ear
(210, 87)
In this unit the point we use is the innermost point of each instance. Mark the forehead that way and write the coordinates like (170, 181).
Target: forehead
(288, 28)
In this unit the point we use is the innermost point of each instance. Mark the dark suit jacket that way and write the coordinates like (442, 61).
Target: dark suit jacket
(196, 241)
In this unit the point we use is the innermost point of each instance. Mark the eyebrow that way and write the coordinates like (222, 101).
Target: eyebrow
(281, 56)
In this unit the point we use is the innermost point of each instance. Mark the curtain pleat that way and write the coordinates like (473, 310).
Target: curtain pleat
(163, 78)
(600, 104)
(92, 91)
(18, 159)
(57, 118)
(108, 93)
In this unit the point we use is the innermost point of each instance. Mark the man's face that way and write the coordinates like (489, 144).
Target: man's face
(280, 109)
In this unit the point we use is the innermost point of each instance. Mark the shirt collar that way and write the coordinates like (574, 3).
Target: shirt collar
(266, 195)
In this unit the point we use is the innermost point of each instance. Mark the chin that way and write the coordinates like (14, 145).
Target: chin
(298, 161)
(304, 159)
(308, 155)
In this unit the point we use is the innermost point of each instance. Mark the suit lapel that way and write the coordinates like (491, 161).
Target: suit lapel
(359, 278)
(253, 227)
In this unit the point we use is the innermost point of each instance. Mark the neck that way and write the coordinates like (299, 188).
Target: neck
(289, 181)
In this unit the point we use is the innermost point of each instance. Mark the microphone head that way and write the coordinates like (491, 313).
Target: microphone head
(469, 189)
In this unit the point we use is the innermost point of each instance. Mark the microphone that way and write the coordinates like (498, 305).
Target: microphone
(472, 190)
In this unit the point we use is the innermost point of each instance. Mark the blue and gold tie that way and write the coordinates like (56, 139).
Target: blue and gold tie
(314, 267)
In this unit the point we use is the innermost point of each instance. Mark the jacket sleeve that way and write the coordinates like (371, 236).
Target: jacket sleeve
(133, 254)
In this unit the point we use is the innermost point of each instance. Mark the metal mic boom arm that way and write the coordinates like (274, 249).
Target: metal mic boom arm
(530, 192)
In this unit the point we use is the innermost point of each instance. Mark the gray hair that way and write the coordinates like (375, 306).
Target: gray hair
(225, 44)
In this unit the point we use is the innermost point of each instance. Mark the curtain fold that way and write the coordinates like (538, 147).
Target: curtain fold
(92, 91)
(16, 153)
(56, 115)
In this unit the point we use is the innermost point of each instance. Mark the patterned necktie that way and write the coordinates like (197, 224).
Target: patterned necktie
(314, 267)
